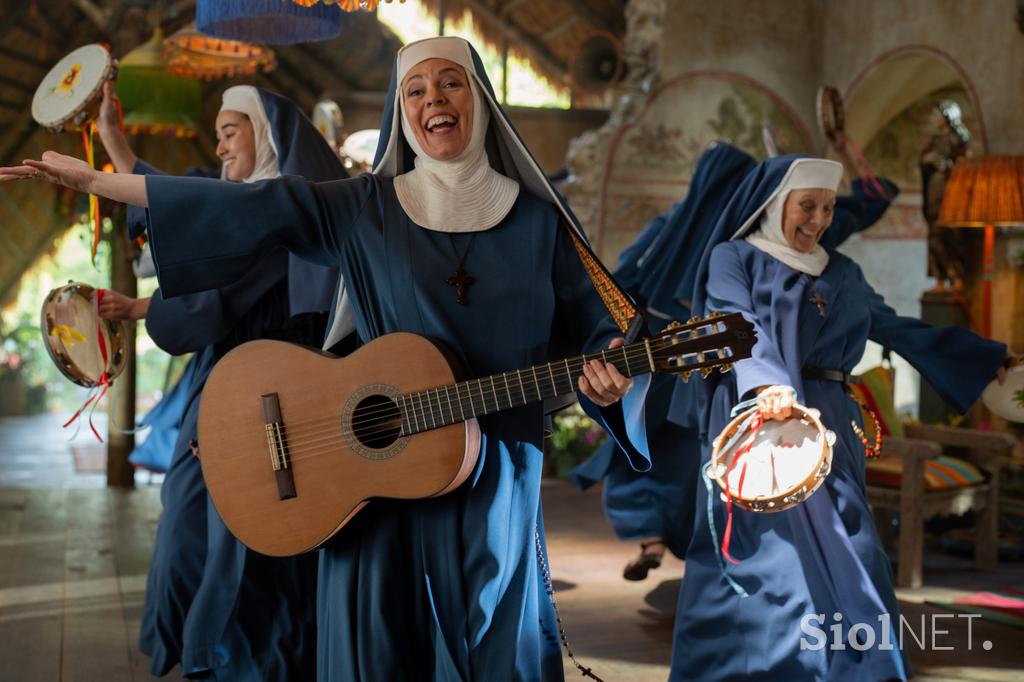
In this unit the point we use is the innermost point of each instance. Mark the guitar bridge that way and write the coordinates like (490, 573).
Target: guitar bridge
(277, 446)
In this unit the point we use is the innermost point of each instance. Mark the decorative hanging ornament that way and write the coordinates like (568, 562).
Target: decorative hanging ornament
(270, 22)
(191, 54)
(347, 5)
(154, 101)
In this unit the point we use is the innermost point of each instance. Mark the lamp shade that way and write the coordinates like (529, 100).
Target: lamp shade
(347, 5)
(191, 54)
(154, 101)
(273, 22)
(985, 190)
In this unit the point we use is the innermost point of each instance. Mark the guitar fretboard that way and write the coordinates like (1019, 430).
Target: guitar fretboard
(446, 405)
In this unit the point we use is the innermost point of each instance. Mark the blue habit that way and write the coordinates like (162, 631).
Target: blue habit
(823, 556)
(446, 588)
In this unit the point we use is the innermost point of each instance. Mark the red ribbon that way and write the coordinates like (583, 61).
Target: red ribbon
(755, 425)
(104, 382)
(872, 186)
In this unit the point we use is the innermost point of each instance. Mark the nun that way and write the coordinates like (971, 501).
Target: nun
(457, 235)
(656, 507)
(218, 609)
(813, 312)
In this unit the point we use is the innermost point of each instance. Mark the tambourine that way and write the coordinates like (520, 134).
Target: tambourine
(328, 120)
(1007, 400)
(831, 116)
(772, 465)
(69, 95)
(87, 349)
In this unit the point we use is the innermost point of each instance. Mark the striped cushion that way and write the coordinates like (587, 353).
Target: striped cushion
(875, 390)
(941, 473)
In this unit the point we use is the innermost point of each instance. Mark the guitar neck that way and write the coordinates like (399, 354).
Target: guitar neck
(446, 405)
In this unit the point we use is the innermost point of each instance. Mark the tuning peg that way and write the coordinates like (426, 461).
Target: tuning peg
(672, 325)
(726, 368)
(693, 320)
(706, 371)
(686, 375)
(715, 313)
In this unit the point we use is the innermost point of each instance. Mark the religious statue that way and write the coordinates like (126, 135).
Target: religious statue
(948, 143)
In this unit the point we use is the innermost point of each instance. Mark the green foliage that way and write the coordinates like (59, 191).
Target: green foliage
(573, 439)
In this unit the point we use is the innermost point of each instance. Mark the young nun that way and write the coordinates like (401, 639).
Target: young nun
(813, 312)
(218, 609)
(448, 588)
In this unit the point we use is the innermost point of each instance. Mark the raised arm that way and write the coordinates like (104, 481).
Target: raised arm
(68, 171)
(108, 124)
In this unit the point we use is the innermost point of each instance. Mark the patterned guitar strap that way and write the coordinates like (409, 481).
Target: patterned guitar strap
(620, 305)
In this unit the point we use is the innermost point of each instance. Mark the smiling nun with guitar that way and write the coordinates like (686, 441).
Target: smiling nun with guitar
(468, 275)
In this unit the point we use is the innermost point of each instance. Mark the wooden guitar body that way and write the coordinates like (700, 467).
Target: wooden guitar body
(286, 481)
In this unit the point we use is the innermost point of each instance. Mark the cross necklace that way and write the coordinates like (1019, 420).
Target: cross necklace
(461, 280)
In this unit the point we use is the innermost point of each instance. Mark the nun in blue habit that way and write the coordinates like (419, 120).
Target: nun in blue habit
(660, 267)
(448, 588)
(218, 609)
(813, 312)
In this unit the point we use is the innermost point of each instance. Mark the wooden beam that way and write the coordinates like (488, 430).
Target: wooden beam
(98, 16)
(8, 82)
(558, 28)
(11, 105)
(512, 5)
(524, 40)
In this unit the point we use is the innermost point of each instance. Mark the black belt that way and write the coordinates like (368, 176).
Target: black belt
(829, 375)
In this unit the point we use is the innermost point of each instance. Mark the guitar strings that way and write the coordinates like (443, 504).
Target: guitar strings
(325, 441)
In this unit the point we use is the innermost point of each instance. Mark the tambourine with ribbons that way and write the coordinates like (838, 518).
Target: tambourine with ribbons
(68, 99)
(832, 123)
(87, 349)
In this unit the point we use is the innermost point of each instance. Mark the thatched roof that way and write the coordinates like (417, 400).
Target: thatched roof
(547, 33)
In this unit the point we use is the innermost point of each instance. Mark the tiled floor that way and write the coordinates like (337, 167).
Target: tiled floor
(73, 560)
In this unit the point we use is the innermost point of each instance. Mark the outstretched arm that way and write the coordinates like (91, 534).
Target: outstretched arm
(76, 174)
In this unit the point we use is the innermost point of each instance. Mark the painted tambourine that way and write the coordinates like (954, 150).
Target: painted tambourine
(776, 466)
(328, 120)
(69, 95)
(87, 349)
(831, 116)
(1007, 400)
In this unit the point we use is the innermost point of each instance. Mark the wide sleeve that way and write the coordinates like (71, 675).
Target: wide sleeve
(136, 216)
(582, 324)
(188, 323)
(208, 233)
(956, 362)
(859, 210)
(730, 290)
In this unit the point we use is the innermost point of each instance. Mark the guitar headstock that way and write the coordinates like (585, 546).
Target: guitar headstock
(703, 344)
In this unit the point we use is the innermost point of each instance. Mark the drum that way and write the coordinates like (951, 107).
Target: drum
(774, 466)
(831, 116)
(69, 95)
(86, 348)
(328, 120)
(1007, 400)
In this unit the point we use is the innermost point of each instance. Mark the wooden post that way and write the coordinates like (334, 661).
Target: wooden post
(121, 409)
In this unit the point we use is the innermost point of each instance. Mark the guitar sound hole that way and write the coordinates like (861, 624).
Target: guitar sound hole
(376, 422)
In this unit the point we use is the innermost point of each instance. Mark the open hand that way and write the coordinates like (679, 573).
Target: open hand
(776, 402)
(56, 168)
(602, 383)
(108, 117)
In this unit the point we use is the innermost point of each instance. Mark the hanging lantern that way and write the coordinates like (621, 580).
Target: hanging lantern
(347, 5)
(154, 101)
(267, 21)
(191, 54)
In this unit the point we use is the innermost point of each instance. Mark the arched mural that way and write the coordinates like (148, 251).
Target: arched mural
(889, 111)
(650, 163)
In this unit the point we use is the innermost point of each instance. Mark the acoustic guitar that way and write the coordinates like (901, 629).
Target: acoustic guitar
(294, 442)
